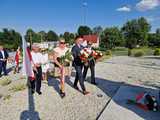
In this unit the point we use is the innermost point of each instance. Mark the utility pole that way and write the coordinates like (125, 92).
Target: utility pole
(84, 15)
(30, 38)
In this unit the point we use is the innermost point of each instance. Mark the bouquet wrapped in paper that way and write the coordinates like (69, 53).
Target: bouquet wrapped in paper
(88, 54)
(97, 54)
(85, 55)
(66, 59)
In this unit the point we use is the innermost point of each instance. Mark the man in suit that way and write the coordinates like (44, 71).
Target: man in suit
(90, 64)
(78, 64)
(3, 60)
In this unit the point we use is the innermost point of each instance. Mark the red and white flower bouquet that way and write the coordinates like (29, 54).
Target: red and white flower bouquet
(88, 54)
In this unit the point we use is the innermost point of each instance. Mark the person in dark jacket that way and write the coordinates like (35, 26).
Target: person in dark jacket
(3, 60)
(91, 65)
(78, 64)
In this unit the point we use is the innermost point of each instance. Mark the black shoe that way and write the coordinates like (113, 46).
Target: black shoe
(32, 91)
(5, 74)
(85, 92)
(76, 87)
(63, 94)
(94, 83)
(39, 93)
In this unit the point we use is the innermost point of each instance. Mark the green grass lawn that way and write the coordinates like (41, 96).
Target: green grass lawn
(121, 51)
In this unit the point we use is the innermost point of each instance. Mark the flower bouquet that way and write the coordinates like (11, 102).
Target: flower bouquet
(97, 54)
(88, 55)
(145, 101)
(65, 60)
(84, 55)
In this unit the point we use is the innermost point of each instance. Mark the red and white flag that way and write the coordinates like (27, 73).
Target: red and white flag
(27, 61)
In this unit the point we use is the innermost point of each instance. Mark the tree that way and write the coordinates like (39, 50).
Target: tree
(10, 38)
(158, 31)
(97, 30)
(32, 37)
(52, 36)
(111, 38)
(43, 35)
(136, 32)
(69, 37)
(144, 28)
(84, 30)
(152, 40)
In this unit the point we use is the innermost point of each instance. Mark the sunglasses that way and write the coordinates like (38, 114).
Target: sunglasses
(62, 42)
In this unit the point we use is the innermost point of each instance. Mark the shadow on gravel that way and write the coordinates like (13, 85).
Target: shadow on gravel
(53, 82)
(119, 93)
(151, 57)
(30, 114)
(10, 69)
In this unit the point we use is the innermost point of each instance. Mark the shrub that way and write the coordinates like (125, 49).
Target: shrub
(5, 82)
(108, 52)
(129, 52)
(156, 52)
(18, 87)
(139, 53)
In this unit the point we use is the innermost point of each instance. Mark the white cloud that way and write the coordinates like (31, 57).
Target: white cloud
(144, 5)
(124, 9)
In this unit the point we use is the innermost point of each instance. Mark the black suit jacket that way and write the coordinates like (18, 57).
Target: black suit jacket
(5, 54)
(76, 55)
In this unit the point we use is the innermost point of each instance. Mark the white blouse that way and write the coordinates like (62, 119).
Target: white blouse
(37, 58)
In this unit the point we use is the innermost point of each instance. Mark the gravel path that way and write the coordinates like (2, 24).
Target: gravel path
(111, 74)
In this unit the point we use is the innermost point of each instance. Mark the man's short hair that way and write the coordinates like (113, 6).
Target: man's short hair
(78, 36)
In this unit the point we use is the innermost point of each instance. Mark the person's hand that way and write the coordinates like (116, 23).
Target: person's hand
(35, 68)
(3, 60)
(37, 65)
(60, 66)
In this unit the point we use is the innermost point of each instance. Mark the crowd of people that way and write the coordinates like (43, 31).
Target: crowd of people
(39, 59)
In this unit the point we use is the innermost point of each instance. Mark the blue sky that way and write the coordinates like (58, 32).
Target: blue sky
(67, 15)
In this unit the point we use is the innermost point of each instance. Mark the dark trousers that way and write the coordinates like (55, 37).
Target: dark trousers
(92, 68)
(3, 67)
(37, 82)
(79, 77)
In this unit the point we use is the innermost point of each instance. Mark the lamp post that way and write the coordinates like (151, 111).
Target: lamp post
(84, 16)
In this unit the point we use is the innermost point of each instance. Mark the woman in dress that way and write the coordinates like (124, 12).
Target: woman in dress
(17, 58)
(60, 51)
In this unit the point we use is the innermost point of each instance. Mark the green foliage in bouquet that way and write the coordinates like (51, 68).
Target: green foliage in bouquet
(65, 59)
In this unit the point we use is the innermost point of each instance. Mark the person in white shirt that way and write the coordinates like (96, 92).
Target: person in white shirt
(37, 60)
(58, 52)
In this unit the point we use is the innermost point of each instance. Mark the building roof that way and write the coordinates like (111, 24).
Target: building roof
(92, 38)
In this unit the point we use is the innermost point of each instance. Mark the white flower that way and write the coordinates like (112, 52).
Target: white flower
(155, 104)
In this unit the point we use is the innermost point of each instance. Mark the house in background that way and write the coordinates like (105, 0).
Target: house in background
(93, 38)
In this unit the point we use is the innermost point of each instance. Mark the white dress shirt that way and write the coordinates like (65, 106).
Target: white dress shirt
(3, 54)
(37, 57)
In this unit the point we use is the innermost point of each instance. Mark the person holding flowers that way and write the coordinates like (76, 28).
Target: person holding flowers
(78, 64)
(90, 63)
(59, 58)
